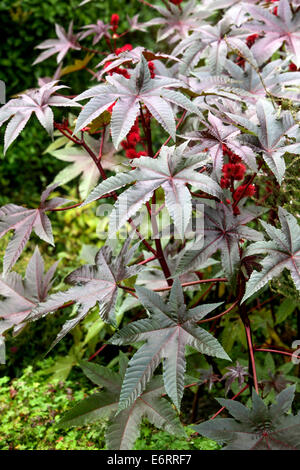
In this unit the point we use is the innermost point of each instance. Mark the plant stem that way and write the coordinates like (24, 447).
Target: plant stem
(146, 260)
(220, 314)
(252, 368)
(93, 51)
(98, 352)
(284, 353)
(195, 405)
(193, 283)
(65, 208)
(102, 144)
(203, 295)
(146, 3)
(73, 139)
(94, 157)
(185, 284)
(129, 290)
(158, 246)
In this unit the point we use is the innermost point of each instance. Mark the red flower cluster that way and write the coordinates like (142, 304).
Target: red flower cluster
(233, 157)
(151, 68)
(126, 47)
(275, 11)
(244, 191)
(250, 40)
(235, 171)
(118, 70)
(133, 138)
(114, 21)
(240, 61)
(176, 2)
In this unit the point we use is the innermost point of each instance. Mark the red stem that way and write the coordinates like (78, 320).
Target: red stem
(185, 284)
(93, 51)
(101, 144)
(193, 283)
(284, 353)
(65, 208)
(158, 246)
(94, 157)
(251, 353)
(145, 261)
(203, 295)
(73, 139)
(68, 304)
(97, 352)
(220, 314)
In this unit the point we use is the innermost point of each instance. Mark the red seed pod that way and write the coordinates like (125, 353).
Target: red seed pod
(225, 182)
(114, 21)
(151, 68)
(293, 67)
(131, 153)
(126, 47)
(241, 191)
(234, 170)
(250, 40)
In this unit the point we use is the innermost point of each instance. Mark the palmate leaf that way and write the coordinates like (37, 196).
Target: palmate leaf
(122, 429)
(285, 27)
(213, 42)
(129, 94)
(66, 41)
(222, 231)
(165, 335)
(271, 134)
(171, 171)
(283, 251)
(37, 101)
(99, 30)
(177, 23)
(22, 295)
(273, 78)
(23, 221)
(94, 284)
(134, 24)
(261, 428)
(237, 372)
